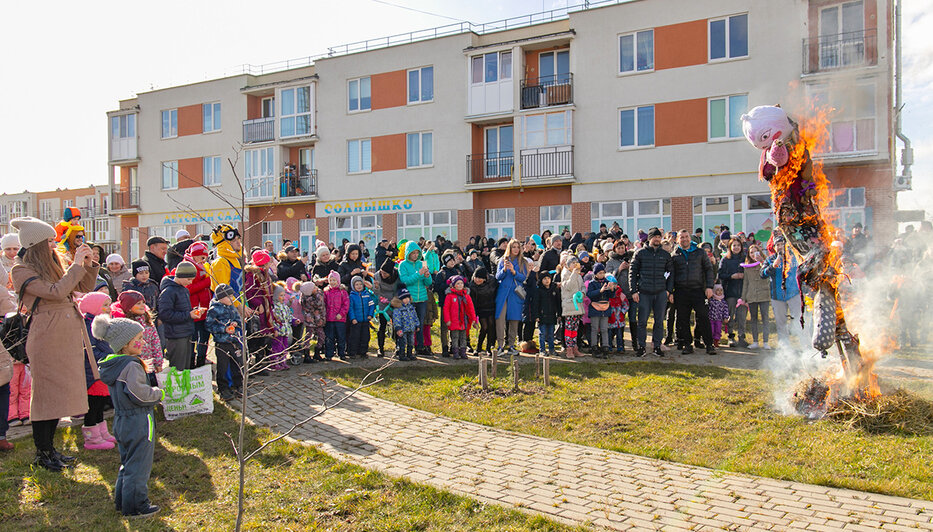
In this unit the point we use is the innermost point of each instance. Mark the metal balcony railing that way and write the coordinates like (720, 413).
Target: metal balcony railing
(126, 199)
(547, 162)
(547, 91)
(259, 130)
(842, 50)
(489, 167)
(294, 186)
(50, 216)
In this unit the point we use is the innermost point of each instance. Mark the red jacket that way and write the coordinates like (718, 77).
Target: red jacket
(199, 291)
(458, 310)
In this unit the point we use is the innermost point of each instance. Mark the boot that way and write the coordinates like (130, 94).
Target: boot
(445, 351)
(48, 461)
(93, 441)
(103, 433)
(570, 352)
(463, 353)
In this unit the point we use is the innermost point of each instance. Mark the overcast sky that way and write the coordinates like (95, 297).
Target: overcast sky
(67, 63)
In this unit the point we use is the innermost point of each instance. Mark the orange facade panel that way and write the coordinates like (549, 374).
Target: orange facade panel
(253, 107)
(388, 89)
(680, 45)
(190, 172)
(189, 120)
(680, 122)
(388, 152)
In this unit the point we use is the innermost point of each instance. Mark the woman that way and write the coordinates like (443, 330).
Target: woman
(57, 343)
(731, 274)
(351, 266)
(571, 282)
(114, 274)
(756, 296)
(511, 272)
(258, 289)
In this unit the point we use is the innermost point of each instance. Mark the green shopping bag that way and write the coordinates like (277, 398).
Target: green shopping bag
(187, 392)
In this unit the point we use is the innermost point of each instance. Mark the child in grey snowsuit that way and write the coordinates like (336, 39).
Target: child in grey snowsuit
(406, 325)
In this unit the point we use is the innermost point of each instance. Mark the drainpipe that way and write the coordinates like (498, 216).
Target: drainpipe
(907, 154)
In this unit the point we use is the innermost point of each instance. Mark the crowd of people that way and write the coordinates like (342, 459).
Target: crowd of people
(92, 312)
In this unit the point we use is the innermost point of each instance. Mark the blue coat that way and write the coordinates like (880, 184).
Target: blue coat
(596, 295)
(101, 351)
(790, 287)
(505, 295)
(362, 306)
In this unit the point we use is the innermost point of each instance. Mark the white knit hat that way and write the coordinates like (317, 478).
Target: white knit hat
(115, 257)
(319, 252)
(32, 231)
(9, 240)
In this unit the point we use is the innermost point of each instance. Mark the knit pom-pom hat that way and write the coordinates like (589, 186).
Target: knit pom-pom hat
(117, 331)
(93, 303)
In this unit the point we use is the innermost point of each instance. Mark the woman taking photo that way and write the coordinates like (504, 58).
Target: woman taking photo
(511, 272)
(57, 343)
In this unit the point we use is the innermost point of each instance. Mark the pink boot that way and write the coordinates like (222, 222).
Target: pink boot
(103, 433)
(93, 441)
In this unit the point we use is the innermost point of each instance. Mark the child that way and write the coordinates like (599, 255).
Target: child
(547, 311)
(300, 343)
(225, 324)
(361, 310)
(618, 308)
(95, 432)
(335, 329)
(20, 394)
(314, 312)
(459, 316)
(483, 292)
(176, 314)
(718, 312)
(200, 294)
(282, 323)
(599, 291)
(133, 401)
(406, 325)
(143, 284)
(571, 283)
(132, 305)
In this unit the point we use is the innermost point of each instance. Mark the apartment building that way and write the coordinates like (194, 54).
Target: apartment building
(93, 202)
(15, 205)
(618, 112)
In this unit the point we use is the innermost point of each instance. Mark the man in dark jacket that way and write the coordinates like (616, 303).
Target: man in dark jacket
(155, 257)
(292, 266)
(381, 253)
(177, 316)
(551, 257)
(693, 285)
(176, 253)
(652, 283)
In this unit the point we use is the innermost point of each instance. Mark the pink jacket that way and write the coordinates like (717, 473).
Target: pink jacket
(338, 302)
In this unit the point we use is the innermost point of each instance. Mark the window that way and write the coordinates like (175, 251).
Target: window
(421, 85)
(849, 208)
(499, 155)
(420, 149)
(636, 52)
(750, 213)
(491, 67)
(169, 175)
(359, 94)
(842, 35)
(555, 218)
(123, 127)
(359, 159)
(852, 118)
(365, 227)
(632, 215)
(47, 212)
(102, 229)
(211, 114)
(272, 231)
(212, 167)
(307, 231)
(295, 112)
(268, 107)
(259, 173)
(548, 129)
(725, 116)
(414, 225)
(500, 223)
(636, 127)
(728, 37)
(169, 123)
(554, 67)
(134, 242)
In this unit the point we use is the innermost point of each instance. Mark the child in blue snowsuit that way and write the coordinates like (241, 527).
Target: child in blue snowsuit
(124, 373)
(362, 309)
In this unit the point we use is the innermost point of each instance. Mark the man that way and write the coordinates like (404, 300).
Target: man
(551, 257)
(292, 266)
(858, 241)
(155, 257)
(565, 238)
(176, 253)
(381, 252)
(697, 236)
(652, 283)
(693, 285)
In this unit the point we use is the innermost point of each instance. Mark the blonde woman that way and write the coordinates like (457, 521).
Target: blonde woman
(511, 272)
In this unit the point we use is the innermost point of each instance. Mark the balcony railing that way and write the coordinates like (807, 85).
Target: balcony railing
(298, 186)
(547, 91)
(259, 130)
(842, 50)
(547, 162)
(50, 216)
(126, 199)
(489, 167)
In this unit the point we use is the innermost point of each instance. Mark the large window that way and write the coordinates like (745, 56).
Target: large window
(260, 173)
(421, 85)
(307, 234)
(102, 229)
(295, 112)
(420, 147)
(123, 126)
(365, 227)
(212, 168)
(359, 157)
(554, 67)
(169, 175)
(636, 52)
(272, 231)
(750, 213)
(636, 127)
(500, 223)
(555, 218)
(358, 94)
(548, 129)
(491, 67)
(414, 225)
(211, 117)
(849, 208)
(842, 35)
(169, 123)
(632, 215)
(728, 37)
(852, 118)
(499, 156)
(725, 116)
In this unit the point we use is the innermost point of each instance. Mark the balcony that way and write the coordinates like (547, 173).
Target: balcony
(490, 168)
(125, 200)
(547, 91)
(303, 185)
(50, 216)
(258, 130)
(828, 53)
(547, 163)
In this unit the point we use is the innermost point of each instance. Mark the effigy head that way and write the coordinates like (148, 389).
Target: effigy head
(765, 124)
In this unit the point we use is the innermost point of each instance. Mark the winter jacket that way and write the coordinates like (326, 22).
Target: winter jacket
(175, 309)
(200, 290)
(118, 279)
(692, 269)
(348, 265)
(157, 267)
(458, 310)
(484, 297)
(291, 268)
(718, 310)
(550, 260)
(129, 387)
(322, 270)
(409, 273)
(618, 308)
(101, 350)
(314, 309)
(782, 289)
(755, 289)
(651, 271)
(727, 268)
(440, 281)
(505, 295)
(258, 291)
(615, 260)
(405, 319)
(571, 282)
(385, 290)
(596, 294)
(176, 253)
(531, 294)
(338, 303)
(152, 346)
(283, 319)
(216, 321)
(362, 306)
(547, 305)
(149, 290)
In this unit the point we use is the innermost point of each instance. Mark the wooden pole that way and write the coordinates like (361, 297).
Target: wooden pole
(483, 378)
(547, 372)
(514, 373)
(537, 366)
(495, 363)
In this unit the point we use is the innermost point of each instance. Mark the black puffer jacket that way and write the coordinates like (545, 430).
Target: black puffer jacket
(728, 267)
(484, 297)
(646, 274)
(692, 269)
(547, 304)
(348, 265)
(288, 268)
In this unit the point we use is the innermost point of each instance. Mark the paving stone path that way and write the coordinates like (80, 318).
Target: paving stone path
(567, 482)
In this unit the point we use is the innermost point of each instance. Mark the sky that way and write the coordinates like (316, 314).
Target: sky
(81, 58)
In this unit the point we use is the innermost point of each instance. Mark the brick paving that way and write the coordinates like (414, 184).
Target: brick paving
(563, 481)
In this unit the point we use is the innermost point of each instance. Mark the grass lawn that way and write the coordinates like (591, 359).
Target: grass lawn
(702, 415)
(290, 487)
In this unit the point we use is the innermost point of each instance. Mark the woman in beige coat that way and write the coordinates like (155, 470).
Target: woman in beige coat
(756, 296)
(57, 344)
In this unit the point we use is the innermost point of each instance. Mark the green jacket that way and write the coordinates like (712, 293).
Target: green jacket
(409, 273)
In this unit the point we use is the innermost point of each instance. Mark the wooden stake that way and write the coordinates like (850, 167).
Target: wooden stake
(514, 373)
(483, 379)
(547, 372)
(495, 363)
(537, 366)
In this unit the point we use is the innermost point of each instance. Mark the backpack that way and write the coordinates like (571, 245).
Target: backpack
(14, 329)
